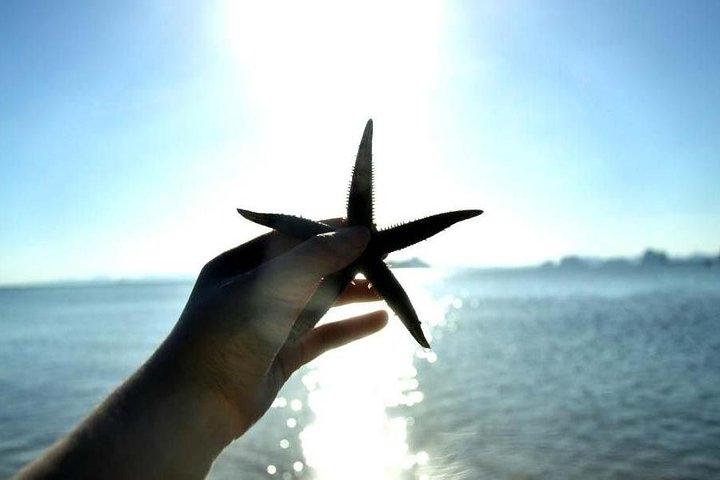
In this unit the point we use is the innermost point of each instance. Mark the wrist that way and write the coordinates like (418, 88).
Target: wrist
(201, 405)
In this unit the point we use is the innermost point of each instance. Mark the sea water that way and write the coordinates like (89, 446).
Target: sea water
(536, 373)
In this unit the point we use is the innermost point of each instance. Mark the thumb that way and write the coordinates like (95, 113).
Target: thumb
(321, 255)
(294, 276)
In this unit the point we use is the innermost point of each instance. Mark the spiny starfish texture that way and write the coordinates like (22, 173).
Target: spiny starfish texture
(370, 263)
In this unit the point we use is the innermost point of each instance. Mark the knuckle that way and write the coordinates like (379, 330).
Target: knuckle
(325, 335)
(322, 244)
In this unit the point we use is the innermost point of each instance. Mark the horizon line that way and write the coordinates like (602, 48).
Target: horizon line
(584, 262)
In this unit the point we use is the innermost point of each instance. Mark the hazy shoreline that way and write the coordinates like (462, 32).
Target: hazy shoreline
(576, 265)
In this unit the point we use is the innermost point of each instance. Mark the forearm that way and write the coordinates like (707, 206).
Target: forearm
(159, 424)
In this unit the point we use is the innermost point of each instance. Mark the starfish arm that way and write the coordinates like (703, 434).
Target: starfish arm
(385, 282)
(407, 234)
(298, 227)
(360, 197)
(327, 292)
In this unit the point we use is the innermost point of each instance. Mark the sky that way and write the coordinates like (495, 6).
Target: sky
(130, 131)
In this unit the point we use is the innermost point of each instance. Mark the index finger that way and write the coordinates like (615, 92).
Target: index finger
(251, 254)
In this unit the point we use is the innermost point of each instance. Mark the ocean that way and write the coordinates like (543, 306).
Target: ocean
(534, 374)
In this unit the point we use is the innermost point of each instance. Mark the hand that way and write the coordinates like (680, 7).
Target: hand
(221, 366)
(233, 333)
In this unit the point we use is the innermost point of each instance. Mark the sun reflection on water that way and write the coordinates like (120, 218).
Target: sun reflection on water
(361, 399)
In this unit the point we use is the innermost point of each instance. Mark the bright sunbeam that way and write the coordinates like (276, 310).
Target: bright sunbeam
(314, 72)
(329, 60)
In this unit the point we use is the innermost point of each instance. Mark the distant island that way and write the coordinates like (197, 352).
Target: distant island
(650, 258)
(413, 262)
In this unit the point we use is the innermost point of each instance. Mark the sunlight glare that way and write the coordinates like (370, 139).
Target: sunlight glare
(305, 73)
(361, 396)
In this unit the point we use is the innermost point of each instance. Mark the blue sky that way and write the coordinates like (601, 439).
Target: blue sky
(130, 131)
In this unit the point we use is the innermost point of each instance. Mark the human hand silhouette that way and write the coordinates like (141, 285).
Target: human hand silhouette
(232, 337)
(222, 365)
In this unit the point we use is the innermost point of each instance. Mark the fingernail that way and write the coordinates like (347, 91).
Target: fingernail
(353, 237)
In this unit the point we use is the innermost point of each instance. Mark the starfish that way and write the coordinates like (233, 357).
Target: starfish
(370, 263)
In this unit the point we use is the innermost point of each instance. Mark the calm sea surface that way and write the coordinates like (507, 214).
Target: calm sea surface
(533, 374)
